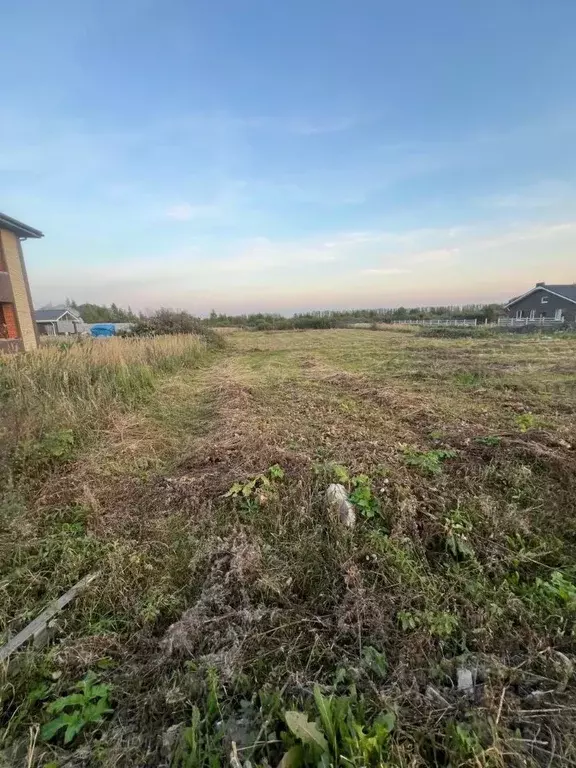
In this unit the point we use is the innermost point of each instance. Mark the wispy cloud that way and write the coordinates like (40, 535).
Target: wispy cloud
(263, 254)
(387, 269)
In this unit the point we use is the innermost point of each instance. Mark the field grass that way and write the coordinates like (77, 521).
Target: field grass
(234, 619)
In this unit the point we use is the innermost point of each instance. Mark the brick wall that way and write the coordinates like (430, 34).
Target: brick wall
(8, 319)
(22, 306)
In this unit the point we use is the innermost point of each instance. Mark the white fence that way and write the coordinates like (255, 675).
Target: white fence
(521, 322)
(503, 322)
(450, 321)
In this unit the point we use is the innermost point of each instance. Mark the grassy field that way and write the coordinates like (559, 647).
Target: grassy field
(234, 620)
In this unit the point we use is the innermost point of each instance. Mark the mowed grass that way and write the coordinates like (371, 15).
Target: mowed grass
(235, 620)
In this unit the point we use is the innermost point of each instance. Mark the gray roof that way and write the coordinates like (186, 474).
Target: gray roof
(569, 291)
(566, 291)
(51, 314)
(17, 227)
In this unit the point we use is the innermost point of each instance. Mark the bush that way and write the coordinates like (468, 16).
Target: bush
(167, 322)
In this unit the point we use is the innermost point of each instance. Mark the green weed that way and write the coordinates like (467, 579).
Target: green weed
(464, 743)
(558, 588)
(525, 421)
(257, 484)
(428, 462)
(375, 661)
(457, 528)
(344, 735)
(77, 710)
(201, 743)
(492, 440)
(362, 496)
(55, 447)
(468, 379)
(439, 624)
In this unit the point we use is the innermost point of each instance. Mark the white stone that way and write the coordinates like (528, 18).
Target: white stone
(337, 501)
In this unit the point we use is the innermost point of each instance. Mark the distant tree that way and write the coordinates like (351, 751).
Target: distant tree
(96, 313)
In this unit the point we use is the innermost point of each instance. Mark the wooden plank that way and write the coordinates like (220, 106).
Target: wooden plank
(37, 629)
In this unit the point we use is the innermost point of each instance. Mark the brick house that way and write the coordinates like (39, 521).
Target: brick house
(17, 326)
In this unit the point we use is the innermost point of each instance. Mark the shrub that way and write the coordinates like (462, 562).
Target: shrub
(167, 322)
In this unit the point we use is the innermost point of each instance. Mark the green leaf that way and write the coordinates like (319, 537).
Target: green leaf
(75, 725)
(94, 712)
(276, 472)
(341, 473)
(305, 730)
(99, 691)
(248, 488)
(325, 710)
(386, 720)
(375, 661)
(235, 489)
(293, 758)
(75, 699)
(49, 730)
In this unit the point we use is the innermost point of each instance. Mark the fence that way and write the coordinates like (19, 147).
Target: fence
(449, 321)
(540, 322)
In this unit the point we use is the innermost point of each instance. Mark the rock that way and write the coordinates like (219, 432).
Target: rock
(337, 501)
(465, 680)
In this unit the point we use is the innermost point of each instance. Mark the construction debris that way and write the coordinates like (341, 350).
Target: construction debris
(39, 629)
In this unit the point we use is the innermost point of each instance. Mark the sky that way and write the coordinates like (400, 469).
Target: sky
(284, 155)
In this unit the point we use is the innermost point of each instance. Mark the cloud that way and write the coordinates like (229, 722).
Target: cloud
(262, 254)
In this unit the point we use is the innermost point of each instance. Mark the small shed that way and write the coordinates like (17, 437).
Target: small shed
(58, 321)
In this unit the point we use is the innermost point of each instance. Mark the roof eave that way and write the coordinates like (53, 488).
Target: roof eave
(18, 227)
(533, 290)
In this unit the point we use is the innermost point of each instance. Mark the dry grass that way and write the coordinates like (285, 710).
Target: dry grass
(60, 394)
(239, 605)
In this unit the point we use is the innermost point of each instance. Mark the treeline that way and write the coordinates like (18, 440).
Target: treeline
(339, 318)
(96, 313)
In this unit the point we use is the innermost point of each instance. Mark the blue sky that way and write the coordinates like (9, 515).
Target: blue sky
(265, 155)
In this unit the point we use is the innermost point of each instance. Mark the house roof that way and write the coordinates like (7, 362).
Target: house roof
(563, 291)
(51, 314)
(17, 227)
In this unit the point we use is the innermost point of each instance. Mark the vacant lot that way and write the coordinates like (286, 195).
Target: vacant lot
(233, 618)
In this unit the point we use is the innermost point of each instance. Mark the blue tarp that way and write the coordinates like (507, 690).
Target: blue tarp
(103, 329)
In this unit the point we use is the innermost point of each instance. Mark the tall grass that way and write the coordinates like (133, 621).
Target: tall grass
(74, 386)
